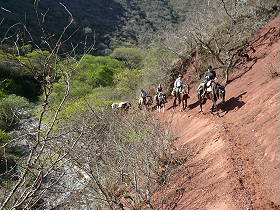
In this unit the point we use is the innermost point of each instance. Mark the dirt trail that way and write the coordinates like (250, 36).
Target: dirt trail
(232, 161)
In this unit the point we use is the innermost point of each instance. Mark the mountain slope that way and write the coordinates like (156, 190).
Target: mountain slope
(116, 21)
(233, 161)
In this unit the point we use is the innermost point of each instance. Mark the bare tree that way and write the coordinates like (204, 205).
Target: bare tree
(99, 158)
(217, 32)
(41, 162)
(119, 159)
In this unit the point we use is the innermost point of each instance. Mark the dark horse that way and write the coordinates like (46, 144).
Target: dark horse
(145, 102)
(218, 93)
(160, 99)
(182, 96)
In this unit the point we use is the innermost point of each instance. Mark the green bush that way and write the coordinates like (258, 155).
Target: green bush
(132, 57)
(10, 111)
(10, 86)
(4, 137)
(127, 83)
(2, 94)
(157, 63)
(15, 79)
(98, 98)
(6, 159)
(97, 71)
(92, 72)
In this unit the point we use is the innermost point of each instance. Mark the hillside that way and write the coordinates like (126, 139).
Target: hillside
(107, 23)
(72, 133)
(113, 22)
(232, 162)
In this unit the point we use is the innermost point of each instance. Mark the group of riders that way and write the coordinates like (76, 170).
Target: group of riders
(160, 97)
(209, 84)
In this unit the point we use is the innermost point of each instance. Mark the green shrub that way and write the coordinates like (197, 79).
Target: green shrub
(2, 94)
(15, 79)
(4, 137)
(10, 111)
(157, 64)
(10, 86)
(127, 83)
(97, 71)
(6, 159)
(92, 72)
(132, 57)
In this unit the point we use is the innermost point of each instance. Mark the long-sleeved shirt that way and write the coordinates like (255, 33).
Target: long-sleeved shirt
(178, 83)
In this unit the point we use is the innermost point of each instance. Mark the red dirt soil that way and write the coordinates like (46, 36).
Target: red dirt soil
(232, 161)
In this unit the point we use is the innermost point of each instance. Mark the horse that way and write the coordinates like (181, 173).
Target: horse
(182, 96)
(218, 93)
(124, 106)
(160, 99)
(146, 102)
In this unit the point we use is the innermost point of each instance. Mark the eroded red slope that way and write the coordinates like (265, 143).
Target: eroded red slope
(232, 161)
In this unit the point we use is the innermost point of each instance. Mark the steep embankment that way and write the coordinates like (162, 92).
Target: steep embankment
(233, 161)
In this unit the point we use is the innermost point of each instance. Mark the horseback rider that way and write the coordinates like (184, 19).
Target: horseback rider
(160, 93)
(159, 89)
(210, 74)
(143, 96)
(210, 77)
(178, 84)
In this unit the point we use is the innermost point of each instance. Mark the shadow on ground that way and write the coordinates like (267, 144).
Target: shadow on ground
(232, 103)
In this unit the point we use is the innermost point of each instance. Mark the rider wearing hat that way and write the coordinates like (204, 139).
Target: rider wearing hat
(179, 84)
(159, 93)
(159, 89)
(210, 75)
(143, 96)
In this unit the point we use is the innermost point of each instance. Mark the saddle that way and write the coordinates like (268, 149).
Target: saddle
(177, 90)
(209, 85)
(162, 96)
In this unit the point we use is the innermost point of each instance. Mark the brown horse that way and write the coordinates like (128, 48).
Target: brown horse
(218, 93)
(146, 102)
(182, 96)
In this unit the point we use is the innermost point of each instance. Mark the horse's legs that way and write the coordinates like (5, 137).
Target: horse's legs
(179, 99)
(200, 104)
(223, 95)
(214, 106)
(174, 102)
(185, 102)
